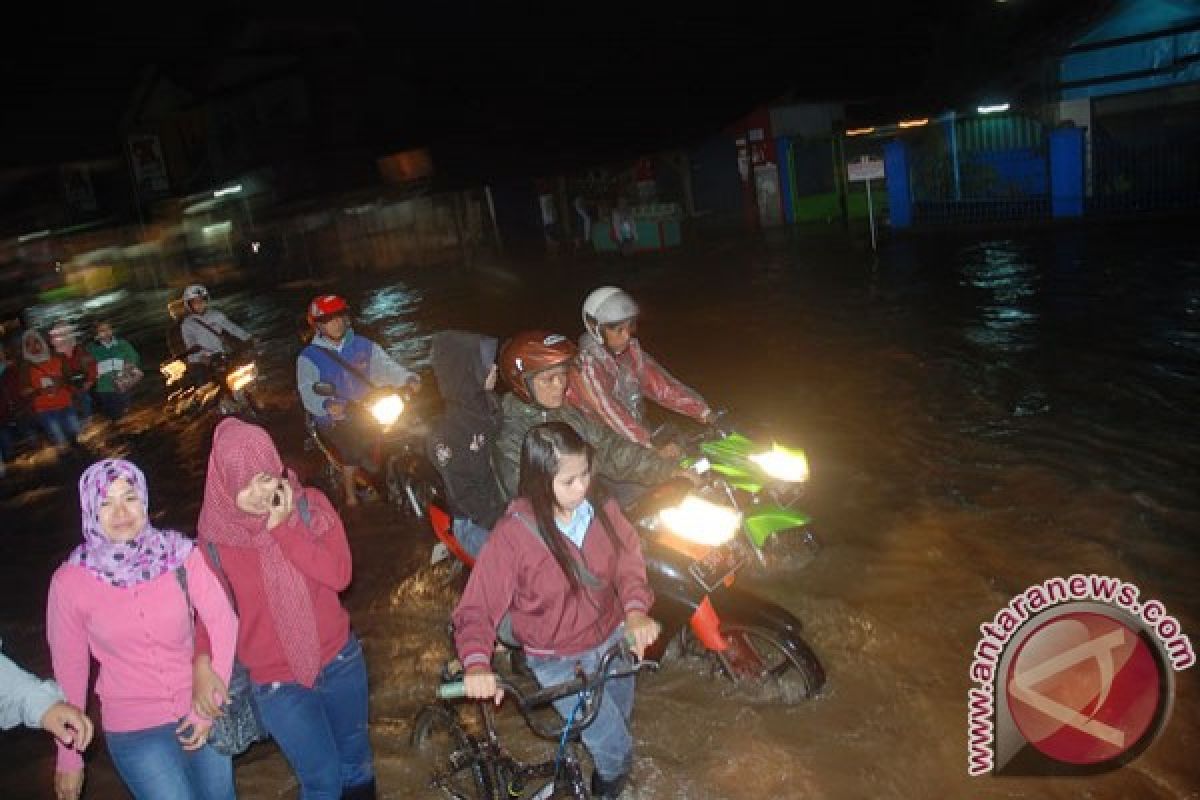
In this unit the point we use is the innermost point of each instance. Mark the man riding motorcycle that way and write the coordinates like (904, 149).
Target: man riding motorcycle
(613, 374)
(354, 365)
(535, 365)
(204, 330)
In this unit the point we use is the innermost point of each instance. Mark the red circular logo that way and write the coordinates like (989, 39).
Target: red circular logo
(1084, 688)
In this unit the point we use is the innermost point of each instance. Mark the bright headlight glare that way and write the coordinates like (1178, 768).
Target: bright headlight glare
(173, 371)
(241, 377)
(386, 409)
(700, 521)
(783, 464)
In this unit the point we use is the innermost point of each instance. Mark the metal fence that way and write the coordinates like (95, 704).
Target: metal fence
(1143, 177)
(980, 170)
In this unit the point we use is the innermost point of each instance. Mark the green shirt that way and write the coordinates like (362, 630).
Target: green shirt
(109, 361)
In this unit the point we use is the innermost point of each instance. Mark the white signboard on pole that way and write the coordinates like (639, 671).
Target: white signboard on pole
(865, 169)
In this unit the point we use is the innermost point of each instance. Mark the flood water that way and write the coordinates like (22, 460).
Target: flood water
(980, 414)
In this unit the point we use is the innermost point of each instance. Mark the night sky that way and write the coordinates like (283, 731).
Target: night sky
(548, 78)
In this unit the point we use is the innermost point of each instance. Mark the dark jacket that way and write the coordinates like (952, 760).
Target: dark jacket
(12, 403)
(460, 440)
(617, 458)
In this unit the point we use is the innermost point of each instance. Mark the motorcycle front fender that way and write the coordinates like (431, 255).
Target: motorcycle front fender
(676, 593)
(766, 521)
(734, 605)
(675, 589)
(668, 574)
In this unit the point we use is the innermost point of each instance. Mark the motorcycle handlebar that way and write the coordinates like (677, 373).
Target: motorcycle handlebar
(592, 683)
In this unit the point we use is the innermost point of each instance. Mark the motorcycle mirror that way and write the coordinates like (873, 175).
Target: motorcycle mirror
(324, 389)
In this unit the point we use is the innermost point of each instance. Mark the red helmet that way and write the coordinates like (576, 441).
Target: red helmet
(530, 352)
(325, 306)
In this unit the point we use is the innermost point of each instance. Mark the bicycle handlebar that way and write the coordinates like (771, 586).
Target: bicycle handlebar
(583, 682)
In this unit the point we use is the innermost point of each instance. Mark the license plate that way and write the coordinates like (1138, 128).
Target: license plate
(712, 570)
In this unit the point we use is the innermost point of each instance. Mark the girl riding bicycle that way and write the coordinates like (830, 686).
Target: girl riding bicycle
(566, 567)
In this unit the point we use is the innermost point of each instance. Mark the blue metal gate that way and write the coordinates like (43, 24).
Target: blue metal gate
(980, 169)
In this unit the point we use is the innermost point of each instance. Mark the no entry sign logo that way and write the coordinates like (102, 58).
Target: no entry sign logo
(1084, 688)
(1074, 676)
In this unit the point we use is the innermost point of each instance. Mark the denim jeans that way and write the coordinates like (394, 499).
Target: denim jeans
(470, 535)
(154, 766)
(8, 442)
(113, 404)
(322, 731)
(607, 738)
(61, 427)
(82, 402)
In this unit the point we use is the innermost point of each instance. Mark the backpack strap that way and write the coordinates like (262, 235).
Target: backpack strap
(585, 574)
(206, 326)
(181, 576)
(215, 557)
(353, 370)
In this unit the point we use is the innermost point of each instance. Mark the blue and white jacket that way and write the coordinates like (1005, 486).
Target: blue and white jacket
(314, 364)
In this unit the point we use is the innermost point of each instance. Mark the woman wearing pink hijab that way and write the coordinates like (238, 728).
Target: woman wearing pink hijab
(284, 553)
(120, 598)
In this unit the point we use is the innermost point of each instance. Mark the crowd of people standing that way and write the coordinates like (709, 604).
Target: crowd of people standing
(534, 482)
(51, 383)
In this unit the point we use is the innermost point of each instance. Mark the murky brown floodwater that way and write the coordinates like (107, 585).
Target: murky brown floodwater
(980, 414)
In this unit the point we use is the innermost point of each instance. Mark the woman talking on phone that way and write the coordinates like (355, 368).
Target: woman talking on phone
(284, 554)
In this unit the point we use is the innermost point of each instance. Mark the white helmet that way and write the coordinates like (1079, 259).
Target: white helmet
(607, 305)
(194, 291)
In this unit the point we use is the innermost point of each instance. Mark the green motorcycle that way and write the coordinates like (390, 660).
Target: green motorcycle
(695, 539)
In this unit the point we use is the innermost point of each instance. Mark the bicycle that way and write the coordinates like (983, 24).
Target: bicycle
(469, 767)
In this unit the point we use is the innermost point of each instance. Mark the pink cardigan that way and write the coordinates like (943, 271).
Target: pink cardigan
(142, 638)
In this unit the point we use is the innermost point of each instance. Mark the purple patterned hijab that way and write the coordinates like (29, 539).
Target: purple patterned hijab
(122, 564)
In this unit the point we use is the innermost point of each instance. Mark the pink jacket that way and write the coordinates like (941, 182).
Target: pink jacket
(142, 638)
(610, 388)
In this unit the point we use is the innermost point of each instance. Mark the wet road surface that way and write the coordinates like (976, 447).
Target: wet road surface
(981, 414)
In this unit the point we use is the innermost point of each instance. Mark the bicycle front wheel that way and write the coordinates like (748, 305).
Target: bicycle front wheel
(450, 756)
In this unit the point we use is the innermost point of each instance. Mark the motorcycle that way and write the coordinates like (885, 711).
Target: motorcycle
(765, 484)
(226, 385)
(398, 469)
(695, 540)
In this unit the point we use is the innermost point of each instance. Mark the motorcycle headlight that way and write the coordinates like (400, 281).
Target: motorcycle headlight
(783, 464)
(241, 377)
(387, 409)
(173, 371)
(697, 520)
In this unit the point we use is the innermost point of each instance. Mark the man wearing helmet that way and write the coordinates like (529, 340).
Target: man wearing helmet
(204, 329)
(355, 365)
(613, 373)
(535, 364)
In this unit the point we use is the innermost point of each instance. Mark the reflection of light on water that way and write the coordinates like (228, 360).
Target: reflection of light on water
(390, 301)
(391, 310)
(1009, 276)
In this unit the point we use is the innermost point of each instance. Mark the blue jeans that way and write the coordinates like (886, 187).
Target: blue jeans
(607, 738)
(322, 731)
(470, 535)
(154, 766)
(61, 427)
(82, 401)
(113, 404)
(8, 441)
